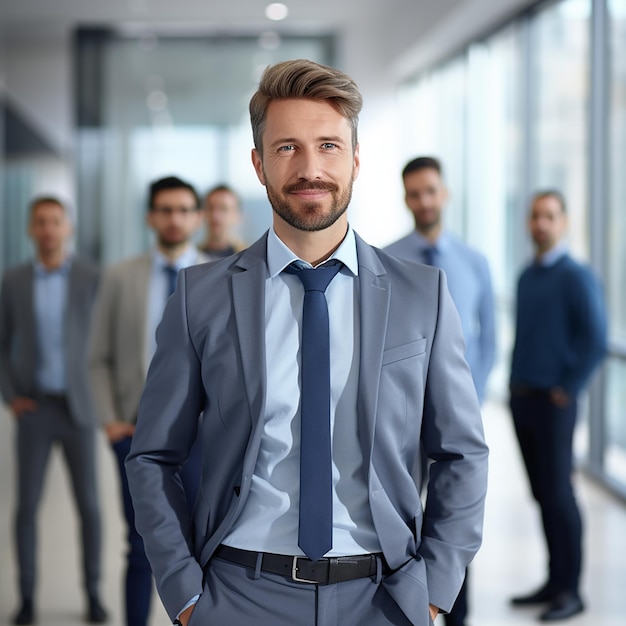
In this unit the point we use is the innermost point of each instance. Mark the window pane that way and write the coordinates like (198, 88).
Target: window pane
(616, 282)
(171, 106)
(560, 56)
(494, 154)
(615, 453)
(435, 106)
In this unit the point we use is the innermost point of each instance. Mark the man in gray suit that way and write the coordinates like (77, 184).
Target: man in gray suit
(45, 311)
(128, 309)
(235, 342)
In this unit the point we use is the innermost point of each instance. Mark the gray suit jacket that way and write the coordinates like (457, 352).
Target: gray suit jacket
(18, 336)
(117, 346)
(416, 399)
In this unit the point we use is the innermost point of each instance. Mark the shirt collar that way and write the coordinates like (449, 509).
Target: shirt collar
(550, 257)
(443, 241)
(187, 258)
(63, 270)
(279, 256)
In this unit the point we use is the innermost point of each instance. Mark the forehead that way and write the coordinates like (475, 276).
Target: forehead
(422, 178)
(48, 209)
(174, 197)
(548, 206)
(221, 197)
(304, 118)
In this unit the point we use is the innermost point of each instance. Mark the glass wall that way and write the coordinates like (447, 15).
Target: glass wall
(28, 167)
(615, 460)
(168, 106)
(435, 105)
(560, 96)
(521, 121)
(467, 113)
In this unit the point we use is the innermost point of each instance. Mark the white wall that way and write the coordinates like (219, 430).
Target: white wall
(38, 80)
(37, 83)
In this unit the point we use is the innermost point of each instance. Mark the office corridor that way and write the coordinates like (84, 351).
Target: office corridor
(510, 562)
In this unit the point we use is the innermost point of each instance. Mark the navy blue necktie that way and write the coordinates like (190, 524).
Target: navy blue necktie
(171, 272)
(429, 255)
(315, 528)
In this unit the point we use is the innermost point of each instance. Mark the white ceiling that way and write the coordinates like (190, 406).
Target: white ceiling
(233, 15)
(398, 36)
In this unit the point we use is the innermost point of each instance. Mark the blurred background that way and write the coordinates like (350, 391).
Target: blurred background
(98, 98)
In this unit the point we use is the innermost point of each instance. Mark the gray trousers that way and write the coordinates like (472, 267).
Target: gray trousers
(236, 596)
(37, 432)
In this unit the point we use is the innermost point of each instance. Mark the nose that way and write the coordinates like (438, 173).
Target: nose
(309, 164)
(177, 216)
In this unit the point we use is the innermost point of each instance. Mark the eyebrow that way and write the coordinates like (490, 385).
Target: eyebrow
(288, 140)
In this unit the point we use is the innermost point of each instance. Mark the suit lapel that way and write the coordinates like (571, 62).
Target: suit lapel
(27, 308)
(71, 307)
(249, 306)
(375, 293)
(138, 308)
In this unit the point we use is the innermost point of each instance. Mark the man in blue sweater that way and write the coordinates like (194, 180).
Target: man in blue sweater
(560, 340)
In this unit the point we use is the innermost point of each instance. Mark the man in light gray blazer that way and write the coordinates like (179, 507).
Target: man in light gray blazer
(45, 312)
(232, 346)
(128, 309)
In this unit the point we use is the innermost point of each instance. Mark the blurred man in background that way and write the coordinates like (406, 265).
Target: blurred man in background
(128, 310)
(222, 215)
(560, 339)
(469, 282)
(45, 312)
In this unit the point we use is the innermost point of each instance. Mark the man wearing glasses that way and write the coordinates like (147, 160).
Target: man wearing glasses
(128, 309)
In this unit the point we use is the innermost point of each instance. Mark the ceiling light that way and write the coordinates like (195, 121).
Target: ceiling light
(276, 11)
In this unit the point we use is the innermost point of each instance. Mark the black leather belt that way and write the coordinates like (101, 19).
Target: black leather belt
(326, 571)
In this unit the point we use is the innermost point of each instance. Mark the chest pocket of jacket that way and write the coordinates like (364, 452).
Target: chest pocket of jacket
(405, 351)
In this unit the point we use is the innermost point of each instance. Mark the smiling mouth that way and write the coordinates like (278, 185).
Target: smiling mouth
(308, 187)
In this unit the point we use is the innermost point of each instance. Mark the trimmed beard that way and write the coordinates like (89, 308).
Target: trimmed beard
(309, 217)
(170, 244)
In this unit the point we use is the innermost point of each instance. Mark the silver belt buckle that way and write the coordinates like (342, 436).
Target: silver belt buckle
(294, 573)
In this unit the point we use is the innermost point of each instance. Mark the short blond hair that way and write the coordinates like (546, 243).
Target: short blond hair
(302, 78)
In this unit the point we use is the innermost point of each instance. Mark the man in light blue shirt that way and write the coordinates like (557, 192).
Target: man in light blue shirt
(321, 402)
(45, 312)
(469, 282)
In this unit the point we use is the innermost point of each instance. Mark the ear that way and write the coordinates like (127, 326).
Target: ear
(356, 160)
(69, 228)
(446, 195)
(258, 165)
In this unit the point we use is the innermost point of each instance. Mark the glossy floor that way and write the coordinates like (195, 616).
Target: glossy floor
(510, 562)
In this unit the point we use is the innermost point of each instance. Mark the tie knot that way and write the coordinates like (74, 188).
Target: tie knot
(172, 273)
(318, 278)
(429, 255)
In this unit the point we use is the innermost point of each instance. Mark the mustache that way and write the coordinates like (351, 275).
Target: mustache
(310, 185)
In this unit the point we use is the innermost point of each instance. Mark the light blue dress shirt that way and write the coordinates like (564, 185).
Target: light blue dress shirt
(469, 281)
(269, 520)
(50, 289)
(550, 257)
(158, 292)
